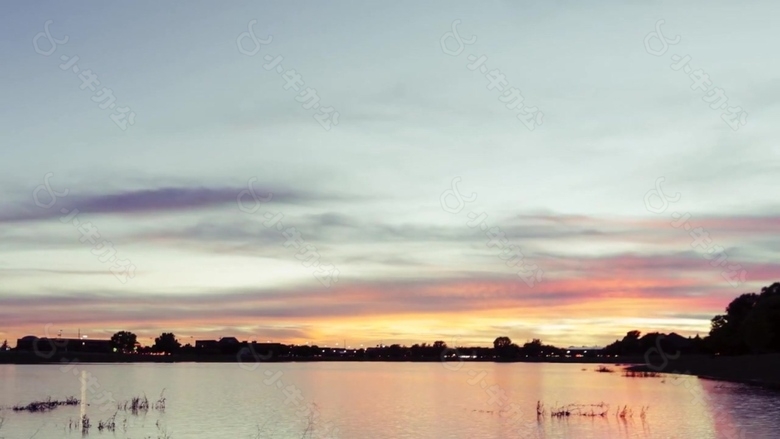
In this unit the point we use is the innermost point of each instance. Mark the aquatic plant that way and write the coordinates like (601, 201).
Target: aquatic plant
(640, 374)
(109, 424)
(85, 425)
(162, 431)
(625, 412)
(309, 426)
(600, 410)
(560, 412)
(587, 410)
(160, 404)
(140, 404)
(539, 409)
(594, 410)
(45, 406)
(135, 405)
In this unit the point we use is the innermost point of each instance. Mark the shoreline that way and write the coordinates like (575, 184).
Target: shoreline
(755, 370)
(29, 358)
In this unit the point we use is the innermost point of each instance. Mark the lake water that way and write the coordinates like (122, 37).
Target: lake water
(378, 401)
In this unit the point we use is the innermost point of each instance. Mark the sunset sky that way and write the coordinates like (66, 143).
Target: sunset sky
(210, 120)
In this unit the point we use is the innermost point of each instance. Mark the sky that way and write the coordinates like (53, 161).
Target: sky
(392, 172)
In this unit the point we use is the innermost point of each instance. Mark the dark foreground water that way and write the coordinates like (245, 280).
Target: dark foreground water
(378, 401)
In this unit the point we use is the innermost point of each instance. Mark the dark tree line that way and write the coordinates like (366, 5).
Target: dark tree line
(504, 349)
(125, 342)
(636, 344)
(751, 324)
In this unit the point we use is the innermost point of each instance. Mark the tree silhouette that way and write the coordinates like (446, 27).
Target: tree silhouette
(751, 324)
(533, 348)
(632, 335)
(124, 342)
(166, 343)
(4, 346)
(504, 348)
(502, 342)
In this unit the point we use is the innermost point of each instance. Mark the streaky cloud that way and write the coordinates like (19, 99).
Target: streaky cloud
(155, 200)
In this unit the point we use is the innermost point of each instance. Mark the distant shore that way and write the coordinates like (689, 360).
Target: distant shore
(759, 370)
(31, 358)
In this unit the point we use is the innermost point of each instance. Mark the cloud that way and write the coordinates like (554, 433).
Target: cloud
(146, 201)
(536, 233)
(474, 294)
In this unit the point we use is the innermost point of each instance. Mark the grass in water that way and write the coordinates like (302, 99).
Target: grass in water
(45, 406)
(600, 410)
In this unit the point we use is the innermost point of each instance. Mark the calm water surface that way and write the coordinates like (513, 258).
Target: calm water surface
(378, 401)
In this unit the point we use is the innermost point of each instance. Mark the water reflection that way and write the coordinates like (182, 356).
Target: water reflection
(388, 400)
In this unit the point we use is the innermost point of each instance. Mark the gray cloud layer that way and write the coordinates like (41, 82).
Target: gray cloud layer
(144, 201)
